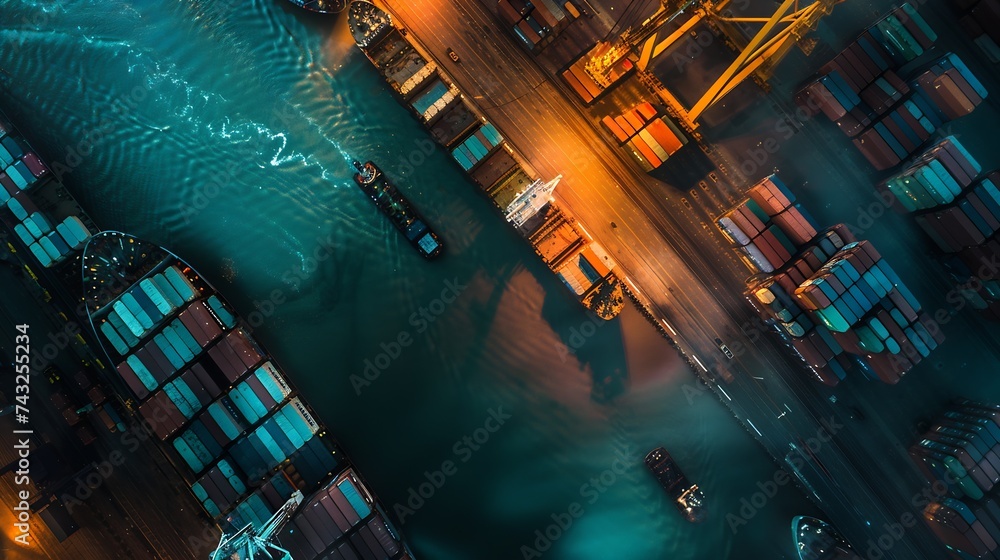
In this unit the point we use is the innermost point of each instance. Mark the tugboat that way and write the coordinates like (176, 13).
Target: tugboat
(400, 212)
(818, 540)
(688, 498)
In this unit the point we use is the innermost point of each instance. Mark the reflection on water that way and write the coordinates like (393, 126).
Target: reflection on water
(225, 130)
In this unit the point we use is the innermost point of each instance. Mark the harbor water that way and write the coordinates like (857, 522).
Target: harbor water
(462, 388)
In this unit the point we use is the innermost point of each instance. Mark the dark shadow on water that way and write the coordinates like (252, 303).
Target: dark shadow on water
(596, 344)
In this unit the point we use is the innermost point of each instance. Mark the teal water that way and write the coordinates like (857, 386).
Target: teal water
(224, 130)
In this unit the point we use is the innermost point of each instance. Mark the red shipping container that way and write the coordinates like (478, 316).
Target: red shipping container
(633, 120)
(35, 165)
(625, 125)
(863, 76)
(875, 150)
(913, 123)
(947, 96)
(645, 150)
(126, 373)
(614, 128)
(647, 111)
(577, 86)
(664, 136)
(795, 226)
(849, 125)
(756, 225)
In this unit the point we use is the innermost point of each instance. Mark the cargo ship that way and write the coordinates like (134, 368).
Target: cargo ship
(229, 419)
(398, 209)
(817, 540)
(688, 498)
(477, 146)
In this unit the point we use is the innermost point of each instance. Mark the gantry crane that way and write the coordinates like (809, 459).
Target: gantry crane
(757, 57)
(249, 543)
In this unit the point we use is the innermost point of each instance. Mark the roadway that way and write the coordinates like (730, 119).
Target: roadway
(672, 255)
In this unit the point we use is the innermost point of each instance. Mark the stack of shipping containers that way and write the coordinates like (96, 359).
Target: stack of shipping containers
(960, 456)
(535, 22)
(887, 117)
(477, 146)
(980, 19)
(960, 212)
(229, 418)
(48, 239)
(838, 301)
(649, 137)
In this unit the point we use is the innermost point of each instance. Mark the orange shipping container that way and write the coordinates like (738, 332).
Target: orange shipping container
(647, 110)
(585, 79)
(574, 83)
(625, 125)
(664, 136)
(645, 150)
(614, 128)
(633, 119)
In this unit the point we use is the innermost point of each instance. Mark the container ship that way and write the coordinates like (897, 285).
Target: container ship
(688, 498)
(481, 151)
(960, 456)
(229, 418)
(398, 209)
(818, 540)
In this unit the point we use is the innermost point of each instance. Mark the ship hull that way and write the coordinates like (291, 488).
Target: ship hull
(401, 213)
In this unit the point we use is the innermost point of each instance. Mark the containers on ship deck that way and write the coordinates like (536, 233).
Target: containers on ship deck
(477, 146)
(345, 506)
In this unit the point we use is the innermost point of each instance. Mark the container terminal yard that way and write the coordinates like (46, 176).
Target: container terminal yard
(801, 198)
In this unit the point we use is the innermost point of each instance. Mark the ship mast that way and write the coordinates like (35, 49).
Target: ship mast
(527, 203)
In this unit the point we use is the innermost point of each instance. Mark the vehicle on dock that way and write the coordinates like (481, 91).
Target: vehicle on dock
(688, 498)
(398, 209)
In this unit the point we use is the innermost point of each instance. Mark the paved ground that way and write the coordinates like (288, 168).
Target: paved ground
(668, 248)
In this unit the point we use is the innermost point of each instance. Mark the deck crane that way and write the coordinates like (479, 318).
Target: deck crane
(255, 544)
(756, 58)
